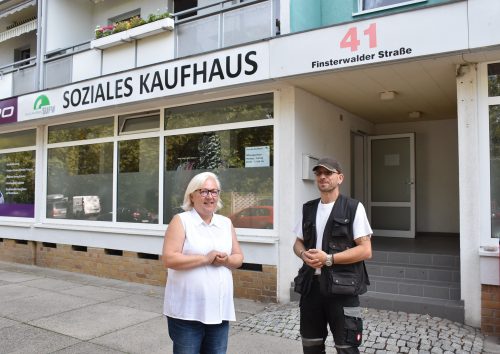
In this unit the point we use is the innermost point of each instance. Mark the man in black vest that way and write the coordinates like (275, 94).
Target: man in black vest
(333, 240)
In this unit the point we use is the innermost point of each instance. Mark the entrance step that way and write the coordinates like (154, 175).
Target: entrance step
(413, 272)
(449, 309)
(423, 283)
(415, 287)
(431, 260)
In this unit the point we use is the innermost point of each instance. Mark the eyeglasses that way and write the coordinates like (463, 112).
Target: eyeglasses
(326, 173)
(204, 192)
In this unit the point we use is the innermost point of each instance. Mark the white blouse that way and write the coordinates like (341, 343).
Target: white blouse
(203, 293)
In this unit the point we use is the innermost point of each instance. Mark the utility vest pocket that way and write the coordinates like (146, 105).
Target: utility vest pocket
(341, 283)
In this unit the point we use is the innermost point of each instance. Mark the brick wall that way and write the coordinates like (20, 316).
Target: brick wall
(256, 285)
(116, 264)
(17, 251)
(259, 284)
(490, 310)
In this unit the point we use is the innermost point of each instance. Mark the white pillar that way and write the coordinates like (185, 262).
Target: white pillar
(468, 157)
(286, 182)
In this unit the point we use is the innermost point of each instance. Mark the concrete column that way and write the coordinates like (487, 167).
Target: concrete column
(286, 181)
(469, 180)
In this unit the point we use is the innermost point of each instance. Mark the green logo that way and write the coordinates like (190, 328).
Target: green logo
(41, 101)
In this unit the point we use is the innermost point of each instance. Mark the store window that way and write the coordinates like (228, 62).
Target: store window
(17, 174)
(376, 4)
(494, 80)
(80, 170)
(138, 181)
(90, 129)
(242, 109)
(241, 157)
(494, 133)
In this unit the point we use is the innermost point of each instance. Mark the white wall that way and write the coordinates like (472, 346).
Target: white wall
(68, 23)
(5, 86)
(311, 125)
(323, 129)
(7, 47)
(436, 150)
(484, 27)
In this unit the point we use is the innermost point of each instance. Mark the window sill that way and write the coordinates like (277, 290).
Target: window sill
(127, 229)
(258, 239)
(149, 29)
(488, 265)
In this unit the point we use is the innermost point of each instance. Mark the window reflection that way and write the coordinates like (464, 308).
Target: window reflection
(243, 160)
(494, 80)
(138, 181)
(374, 4)
(240, 109)
(90, 129)
(18, 139)
(80, 180)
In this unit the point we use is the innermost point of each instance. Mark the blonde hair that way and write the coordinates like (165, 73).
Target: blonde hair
(195, 183)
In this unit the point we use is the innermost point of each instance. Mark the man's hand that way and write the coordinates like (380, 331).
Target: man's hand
(314, 258)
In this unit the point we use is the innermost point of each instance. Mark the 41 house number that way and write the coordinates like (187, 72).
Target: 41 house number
(352, 41)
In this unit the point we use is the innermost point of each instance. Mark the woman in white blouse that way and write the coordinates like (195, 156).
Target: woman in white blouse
(200, 249)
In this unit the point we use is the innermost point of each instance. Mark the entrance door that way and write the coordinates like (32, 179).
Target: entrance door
(391, 185)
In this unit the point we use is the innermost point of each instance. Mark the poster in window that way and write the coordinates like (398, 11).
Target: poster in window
(17, 184)
(257, 156)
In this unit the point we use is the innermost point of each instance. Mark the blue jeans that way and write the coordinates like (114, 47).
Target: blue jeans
(193, 337)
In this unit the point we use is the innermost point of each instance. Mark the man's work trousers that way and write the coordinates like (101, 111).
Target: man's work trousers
(340, 312)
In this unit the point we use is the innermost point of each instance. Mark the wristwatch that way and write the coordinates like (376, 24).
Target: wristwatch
(329, 260)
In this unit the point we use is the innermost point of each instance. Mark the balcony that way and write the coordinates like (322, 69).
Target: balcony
(224, 24)
(73, 57)
(18, 78)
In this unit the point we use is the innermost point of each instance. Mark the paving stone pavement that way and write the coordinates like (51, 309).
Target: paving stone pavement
(385, 332)
(48, 311)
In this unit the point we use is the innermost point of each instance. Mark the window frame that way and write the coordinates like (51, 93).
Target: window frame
(484, 190)
(115, 139)
(125, 16)
(161, 134)
(362, 11)
(230, 126)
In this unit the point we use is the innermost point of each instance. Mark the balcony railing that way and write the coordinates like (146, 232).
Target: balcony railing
(224, 24)
(58, 65)
(197, 30)
(18, 78)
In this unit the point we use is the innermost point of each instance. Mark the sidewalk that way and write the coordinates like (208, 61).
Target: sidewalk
(50, 311)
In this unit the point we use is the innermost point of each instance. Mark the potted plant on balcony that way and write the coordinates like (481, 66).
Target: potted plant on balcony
(135, 28)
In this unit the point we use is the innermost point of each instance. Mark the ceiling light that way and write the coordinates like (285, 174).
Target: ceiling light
(387, 95)
(415, 114)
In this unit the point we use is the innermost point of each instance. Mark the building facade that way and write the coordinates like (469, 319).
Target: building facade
(102, 127)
